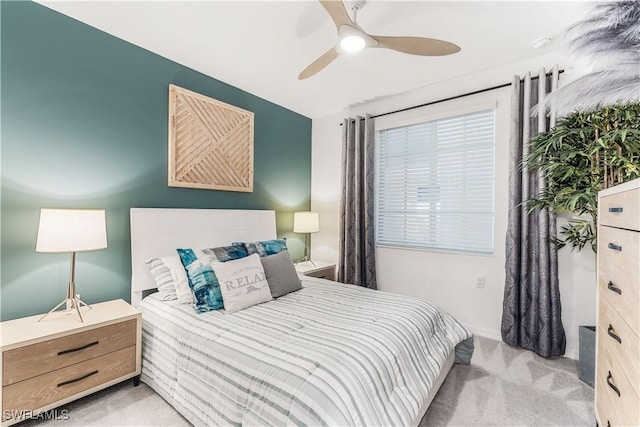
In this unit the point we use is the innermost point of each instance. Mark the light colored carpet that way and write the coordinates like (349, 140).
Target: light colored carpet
(503, 386)
(506, 386)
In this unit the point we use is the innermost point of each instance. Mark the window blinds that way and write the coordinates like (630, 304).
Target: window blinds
(435, 184)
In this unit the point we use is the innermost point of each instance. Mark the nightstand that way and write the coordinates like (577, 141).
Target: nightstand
(322, 270)
(49, 363)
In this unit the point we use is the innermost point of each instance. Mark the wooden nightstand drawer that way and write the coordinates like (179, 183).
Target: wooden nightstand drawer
(53, 362)
(620, 210)
(54, 386)
(325, 273)
(36, 359)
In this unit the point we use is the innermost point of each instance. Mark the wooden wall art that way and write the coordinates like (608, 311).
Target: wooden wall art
(210, 143)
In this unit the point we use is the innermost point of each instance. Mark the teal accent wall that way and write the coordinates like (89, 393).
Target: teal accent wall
(84, 125)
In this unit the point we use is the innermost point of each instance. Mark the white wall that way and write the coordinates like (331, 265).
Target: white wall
(448, 280)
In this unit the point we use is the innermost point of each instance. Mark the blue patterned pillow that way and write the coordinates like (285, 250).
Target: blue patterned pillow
(202, 279)
(264, 247)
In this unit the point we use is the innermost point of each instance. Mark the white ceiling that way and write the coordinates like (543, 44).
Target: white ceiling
(261, 46)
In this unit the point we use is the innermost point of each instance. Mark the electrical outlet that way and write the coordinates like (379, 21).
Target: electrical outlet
(480, 282)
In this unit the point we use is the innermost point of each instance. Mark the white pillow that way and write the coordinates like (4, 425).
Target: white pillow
(242, 282)
(180, 281)
(171, 279)
(162, 276)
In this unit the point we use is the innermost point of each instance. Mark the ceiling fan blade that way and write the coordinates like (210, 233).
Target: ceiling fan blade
(318, 64)
(417, 45)
(338, 13)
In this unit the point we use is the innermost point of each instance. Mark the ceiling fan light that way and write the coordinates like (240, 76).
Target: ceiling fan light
(352, 43)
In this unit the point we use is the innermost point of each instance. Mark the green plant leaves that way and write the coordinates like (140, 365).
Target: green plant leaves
(584, 153)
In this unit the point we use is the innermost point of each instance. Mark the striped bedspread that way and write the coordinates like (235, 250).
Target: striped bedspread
(328, 354)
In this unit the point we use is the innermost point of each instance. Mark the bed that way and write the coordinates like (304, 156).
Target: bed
(327, 354)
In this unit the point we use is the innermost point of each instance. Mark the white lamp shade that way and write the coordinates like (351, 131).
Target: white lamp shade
(306, 222)
(71, 230)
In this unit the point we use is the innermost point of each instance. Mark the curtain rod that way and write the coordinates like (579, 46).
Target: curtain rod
(451, 98)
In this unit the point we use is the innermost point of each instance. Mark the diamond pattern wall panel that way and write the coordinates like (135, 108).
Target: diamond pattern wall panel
(210, 143)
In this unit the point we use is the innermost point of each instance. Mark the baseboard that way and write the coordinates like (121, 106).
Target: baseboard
(484, 333)
(571, 355)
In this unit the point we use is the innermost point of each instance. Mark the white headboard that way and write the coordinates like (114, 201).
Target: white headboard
(159, 232)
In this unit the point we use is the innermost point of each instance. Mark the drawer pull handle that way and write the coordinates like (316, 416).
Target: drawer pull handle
(614, 288)
(72, 350)
(615, 210)
(75, 380)
(613, 335)
(615, 247)
(610, 384)
(608, 423)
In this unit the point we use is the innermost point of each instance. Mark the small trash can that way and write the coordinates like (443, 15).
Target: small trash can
(587, 354)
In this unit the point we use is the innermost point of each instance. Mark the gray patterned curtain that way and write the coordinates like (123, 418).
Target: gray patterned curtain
(531, 314)
(357, 250)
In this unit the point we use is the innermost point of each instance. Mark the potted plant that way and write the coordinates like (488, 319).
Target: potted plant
(584, 153)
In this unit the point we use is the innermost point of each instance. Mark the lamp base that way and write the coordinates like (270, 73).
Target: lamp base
(306, 256)
(72, 303)
(72, 300)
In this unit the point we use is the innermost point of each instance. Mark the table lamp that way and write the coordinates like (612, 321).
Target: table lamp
(306, 222)
(71, 230)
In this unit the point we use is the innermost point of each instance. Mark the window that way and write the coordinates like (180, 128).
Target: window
(435, 184)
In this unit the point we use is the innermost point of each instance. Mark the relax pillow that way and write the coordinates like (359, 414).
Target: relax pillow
(281, 274)
(202, 279)
(264, 247)
(242, 283)
(171, 279)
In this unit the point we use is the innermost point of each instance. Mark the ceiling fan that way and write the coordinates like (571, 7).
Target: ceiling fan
(352, 38)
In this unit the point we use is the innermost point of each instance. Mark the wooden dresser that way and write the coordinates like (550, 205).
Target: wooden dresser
(617, 376)
(46, 364)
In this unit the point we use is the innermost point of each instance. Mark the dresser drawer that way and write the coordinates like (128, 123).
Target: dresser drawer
(42, 390)
(619, 272)
(36, 359)
(609, 374)
(605, 407)
(606, 414)
(621, 342)
(620, 210)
